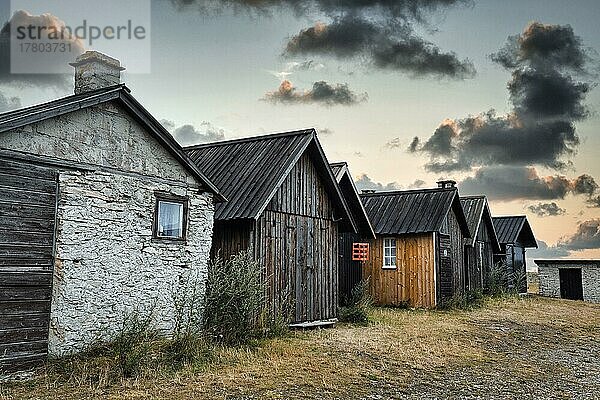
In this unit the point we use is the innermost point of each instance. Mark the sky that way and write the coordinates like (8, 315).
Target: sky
(371, 79)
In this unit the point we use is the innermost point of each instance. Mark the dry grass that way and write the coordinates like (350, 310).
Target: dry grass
(510, 348)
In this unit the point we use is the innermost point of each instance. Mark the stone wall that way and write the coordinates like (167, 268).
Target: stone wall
(107, 263)
(108, 266)
(549, 278)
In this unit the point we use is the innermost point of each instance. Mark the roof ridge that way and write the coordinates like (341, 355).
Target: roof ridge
(252, 138)
(474, 196)
(338, 163)
(409, 191)
(71, 96)
(511, 216)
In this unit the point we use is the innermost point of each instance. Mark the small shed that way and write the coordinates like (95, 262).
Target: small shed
(350, 271)
(417, 258)
(515, 236)
(570, 279)
(287, 208)
(101, 213)
(483, 243)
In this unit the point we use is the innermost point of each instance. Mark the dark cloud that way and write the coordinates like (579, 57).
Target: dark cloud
(53, 65)
(189, 135)
(383, 34)
(325, 131)
(9, 103)
(547, 99)
(545, 251)
(404, 9)
(518, 183)
(586, 237)
(414, 145)
(594, 201)
(585, 184)
(365, 183)
(392, 46)
(546, 209)
(321, 93)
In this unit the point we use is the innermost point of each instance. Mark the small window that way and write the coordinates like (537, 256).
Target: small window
(170, 217)
(389, 253)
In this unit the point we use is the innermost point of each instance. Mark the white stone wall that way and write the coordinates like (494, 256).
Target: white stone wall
(107, 264)
(590, 276)
(591, 283)
(549, 281)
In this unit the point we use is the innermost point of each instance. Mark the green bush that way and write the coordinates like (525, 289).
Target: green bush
(357, 307)
(497, 279)
(234, 302)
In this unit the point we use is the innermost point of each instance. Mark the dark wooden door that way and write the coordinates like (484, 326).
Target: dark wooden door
(27, 224)
(570, 283)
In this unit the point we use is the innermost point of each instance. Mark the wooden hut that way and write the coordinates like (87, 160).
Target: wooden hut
(417, 258)
(349, 269)
(286, 207)
(515, 235)
(483, 243)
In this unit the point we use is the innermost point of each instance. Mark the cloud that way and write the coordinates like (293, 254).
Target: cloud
(188, 135)
(365, 183)
(586, 237)
(394, 143)
(325, 131)
(546, 209)
(53, 64)
(383, 35)
(9, 103)
(594, 201)
(321, 93)
(585, 184)
(547, 100)
(417, 184)
(519, 183)
(545, 251)
(389, 46)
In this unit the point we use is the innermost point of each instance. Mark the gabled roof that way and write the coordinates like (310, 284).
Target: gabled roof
(249, 171)
(413, 211)
(346, 183)
(121, 94)
(511, 229)
(477, 210)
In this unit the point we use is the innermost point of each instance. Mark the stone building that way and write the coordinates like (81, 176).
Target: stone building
(570, 279)
(101, 214)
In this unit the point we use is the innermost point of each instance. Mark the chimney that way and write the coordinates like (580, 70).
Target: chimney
(368, 191)
(446, 184)
(95, 70)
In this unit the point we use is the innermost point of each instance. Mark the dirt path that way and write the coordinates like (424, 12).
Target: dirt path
(509, 349)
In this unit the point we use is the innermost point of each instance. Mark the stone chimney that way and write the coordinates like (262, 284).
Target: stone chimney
(95, 70)
(446, 184)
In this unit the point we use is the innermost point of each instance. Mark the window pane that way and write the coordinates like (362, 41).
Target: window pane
(386, 251)
(170, 219)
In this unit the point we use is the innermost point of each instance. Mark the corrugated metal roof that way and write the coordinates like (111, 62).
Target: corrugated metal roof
(120, 93)
(249, 171)
(509, 228)
(477, 210)
(346, 183)
(412, 211)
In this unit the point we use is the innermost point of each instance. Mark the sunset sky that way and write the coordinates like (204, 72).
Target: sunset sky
(371, 79)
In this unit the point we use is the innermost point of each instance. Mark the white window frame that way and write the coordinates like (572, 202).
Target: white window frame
(168, 199)
(390, 243)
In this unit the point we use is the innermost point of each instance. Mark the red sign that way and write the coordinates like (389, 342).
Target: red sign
(360, 251)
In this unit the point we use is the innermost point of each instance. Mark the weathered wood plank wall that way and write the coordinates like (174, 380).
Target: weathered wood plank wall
(349, 272)
(413, 281)
(27, 220)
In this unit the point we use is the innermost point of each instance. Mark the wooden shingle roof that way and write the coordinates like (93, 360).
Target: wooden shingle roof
(122, 95)
(346, 183)
(250, 170)
(477, 211)
(413, 211)
(511, 229)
